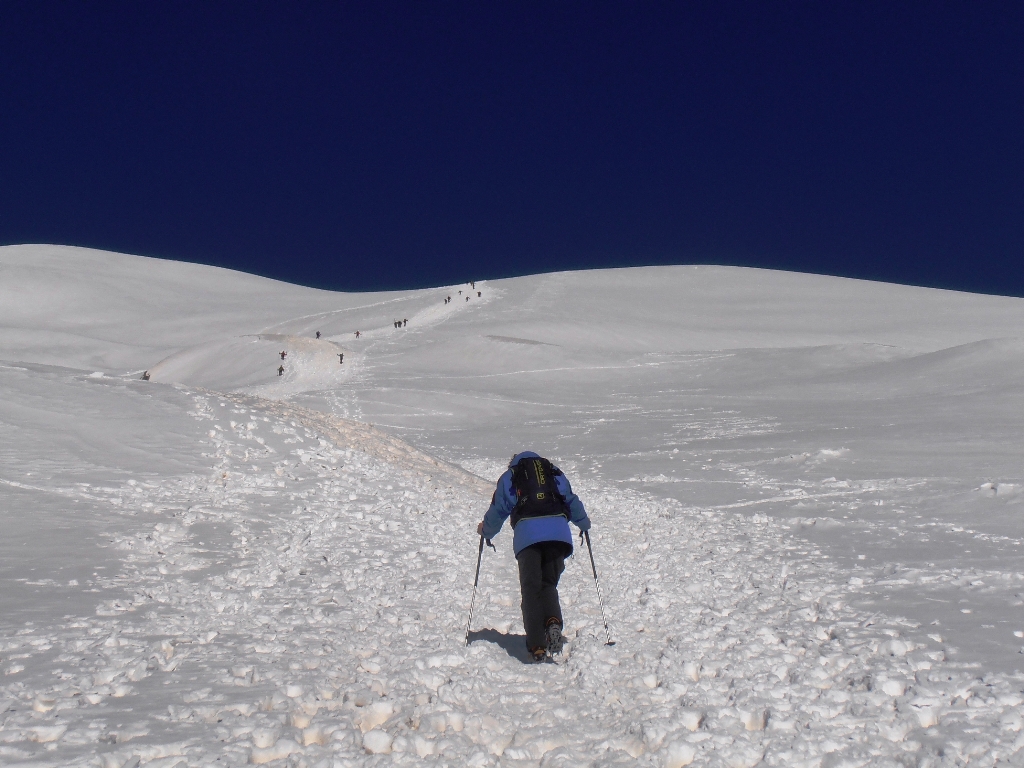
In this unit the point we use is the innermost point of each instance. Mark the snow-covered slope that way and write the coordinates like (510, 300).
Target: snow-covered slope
(805, 494)
(92, 309)
(86, 308)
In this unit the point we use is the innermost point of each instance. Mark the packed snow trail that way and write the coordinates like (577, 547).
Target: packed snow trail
(304, 603)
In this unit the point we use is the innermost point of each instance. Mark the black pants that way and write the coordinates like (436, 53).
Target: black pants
(540, 566)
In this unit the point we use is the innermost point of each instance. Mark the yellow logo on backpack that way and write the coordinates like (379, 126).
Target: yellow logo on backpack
(538, 468)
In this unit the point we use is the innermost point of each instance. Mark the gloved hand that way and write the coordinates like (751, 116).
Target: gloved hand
(584, 524)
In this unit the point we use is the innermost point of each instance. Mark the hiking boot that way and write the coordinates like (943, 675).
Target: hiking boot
(554, 638)
(539, 653)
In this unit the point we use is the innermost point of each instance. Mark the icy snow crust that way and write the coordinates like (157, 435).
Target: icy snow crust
(805, 494)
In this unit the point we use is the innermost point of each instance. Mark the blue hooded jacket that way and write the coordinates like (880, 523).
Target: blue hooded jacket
(532, 530)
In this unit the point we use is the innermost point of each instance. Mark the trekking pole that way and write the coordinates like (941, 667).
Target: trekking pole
(476, 580)
(600, 597)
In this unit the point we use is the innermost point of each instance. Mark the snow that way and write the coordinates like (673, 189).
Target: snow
(805, 492)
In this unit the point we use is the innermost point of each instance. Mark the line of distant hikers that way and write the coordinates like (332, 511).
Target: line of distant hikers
(403, 323)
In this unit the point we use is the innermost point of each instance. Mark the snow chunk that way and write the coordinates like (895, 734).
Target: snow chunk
(378, 742)
(893, 688)
(264, 738)
(451, 660)
(374, 715)
(280, 750)
(424, 747)
(691, 719)
(678, 754)
(1003, 490)
(314, 734)
(753, 720)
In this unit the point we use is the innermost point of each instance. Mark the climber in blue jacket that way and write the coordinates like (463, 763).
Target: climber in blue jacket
(539, 500)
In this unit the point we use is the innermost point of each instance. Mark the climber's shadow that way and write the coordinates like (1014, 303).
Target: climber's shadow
(513, 645)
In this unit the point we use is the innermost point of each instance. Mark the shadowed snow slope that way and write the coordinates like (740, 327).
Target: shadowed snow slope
(806, 494)
(980, 365)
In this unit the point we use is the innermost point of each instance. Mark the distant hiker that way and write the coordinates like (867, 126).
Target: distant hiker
(540, 501)
(405, 322)
(318, 334)
(467, 298)
(145, 375)
(449, 298)
(357, 334)
(473, 286)
(341, 358)
(283, 355)
(280, 370)
(478, 294)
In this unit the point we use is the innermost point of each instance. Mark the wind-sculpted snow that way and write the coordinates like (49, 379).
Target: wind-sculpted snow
(303, 603)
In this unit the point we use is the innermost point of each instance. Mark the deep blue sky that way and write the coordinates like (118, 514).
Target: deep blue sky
(364, 146)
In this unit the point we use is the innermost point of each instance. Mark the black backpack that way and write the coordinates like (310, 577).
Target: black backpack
(533, 480)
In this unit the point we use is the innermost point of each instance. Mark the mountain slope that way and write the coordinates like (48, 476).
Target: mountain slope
(804, 494)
